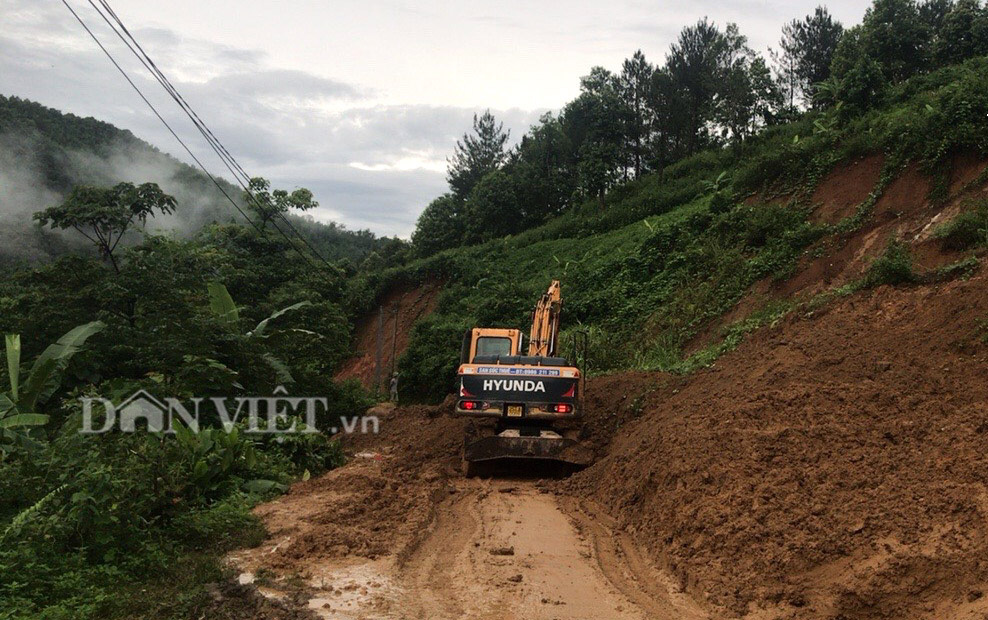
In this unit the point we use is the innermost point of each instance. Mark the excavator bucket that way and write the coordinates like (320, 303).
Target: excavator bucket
(522, 444)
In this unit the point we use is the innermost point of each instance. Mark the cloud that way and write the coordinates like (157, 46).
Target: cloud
(282, 84)
(371, 164)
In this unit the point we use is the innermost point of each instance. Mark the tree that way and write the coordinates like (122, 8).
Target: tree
(545, 168)
(493, 210)
(710, 74)
(787, 64)
(476, 155)
(748, 97)
(104, 215)
(670, 140)
(849, 51)
(863, 85)
(267, 205)
(895, 37)
(963, 33)
(635, 85)
(595, 123)
(692, 65)
(807, 51)
(933, 12)
(439, 227)
(394, 251)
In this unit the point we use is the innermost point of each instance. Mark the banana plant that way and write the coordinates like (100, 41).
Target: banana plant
(718, 184)
(223, 306)
(18, 405)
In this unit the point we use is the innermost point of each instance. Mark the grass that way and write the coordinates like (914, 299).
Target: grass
(962, 269)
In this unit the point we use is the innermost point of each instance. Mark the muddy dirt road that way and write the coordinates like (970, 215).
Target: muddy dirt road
(495, 549)
(502, 549)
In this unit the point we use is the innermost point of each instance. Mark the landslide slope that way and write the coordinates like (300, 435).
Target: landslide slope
(833, 466)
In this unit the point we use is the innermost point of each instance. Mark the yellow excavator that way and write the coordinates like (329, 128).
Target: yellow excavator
(520, 406)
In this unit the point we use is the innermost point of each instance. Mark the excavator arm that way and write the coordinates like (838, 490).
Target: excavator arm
(545, 322)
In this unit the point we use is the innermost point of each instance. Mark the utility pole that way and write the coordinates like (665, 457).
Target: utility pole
(394, 337)
(377, 359)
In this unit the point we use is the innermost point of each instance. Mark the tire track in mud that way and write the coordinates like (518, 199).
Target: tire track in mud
(503, 550)
(623, 564)
(428, 593)
(495, 549)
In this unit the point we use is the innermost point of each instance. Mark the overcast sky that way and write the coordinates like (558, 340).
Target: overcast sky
(360, 101)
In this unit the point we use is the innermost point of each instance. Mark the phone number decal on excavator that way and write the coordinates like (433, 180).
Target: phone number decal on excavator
(502, 370)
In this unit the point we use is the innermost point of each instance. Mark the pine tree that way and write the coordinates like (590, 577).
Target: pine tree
(476, 154)
(635, 89)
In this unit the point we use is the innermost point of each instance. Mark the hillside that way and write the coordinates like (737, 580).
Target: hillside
(674, 254)
(44, 153)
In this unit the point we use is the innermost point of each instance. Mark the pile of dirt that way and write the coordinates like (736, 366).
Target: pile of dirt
(378, 331)
(833, 466)
(375, 506)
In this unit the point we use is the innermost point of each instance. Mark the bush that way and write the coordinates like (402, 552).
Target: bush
(227, 524)
(969, 229)
(894, 266)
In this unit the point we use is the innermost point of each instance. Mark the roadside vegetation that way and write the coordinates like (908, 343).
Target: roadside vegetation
(91, 526)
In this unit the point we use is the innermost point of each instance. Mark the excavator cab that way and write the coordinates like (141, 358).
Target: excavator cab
(489, 341)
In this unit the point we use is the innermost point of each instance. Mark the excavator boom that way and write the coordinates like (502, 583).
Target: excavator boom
(545, 322)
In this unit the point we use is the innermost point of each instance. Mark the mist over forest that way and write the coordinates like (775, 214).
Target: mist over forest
(44, 153)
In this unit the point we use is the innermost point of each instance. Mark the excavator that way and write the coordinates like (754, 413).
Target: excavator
(520, 406)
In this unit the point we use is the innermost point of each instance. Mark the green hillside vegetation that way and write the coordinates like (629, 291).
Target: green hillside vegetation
(656, 197)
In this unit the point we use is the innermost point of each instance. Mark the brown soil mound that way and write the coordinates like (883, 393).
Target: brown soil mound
(846, 187)
(832, 467)
(376, 505)
(406, 306)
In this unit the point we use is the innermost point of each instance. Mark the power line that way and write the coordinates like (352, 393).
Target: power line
(185, 146)
(156, 113)
(221, 151)
(210, 138)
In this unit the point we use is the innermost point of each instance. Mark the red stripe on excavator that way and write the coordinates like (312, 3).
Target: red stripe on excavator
(571, 392)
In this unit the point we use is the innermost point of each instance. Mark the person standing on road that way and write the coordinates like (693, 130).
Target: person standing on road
(394, 388)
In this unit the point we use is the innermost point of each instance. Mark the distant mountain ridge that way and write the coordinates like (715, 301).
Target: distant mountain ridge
(45, 152)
